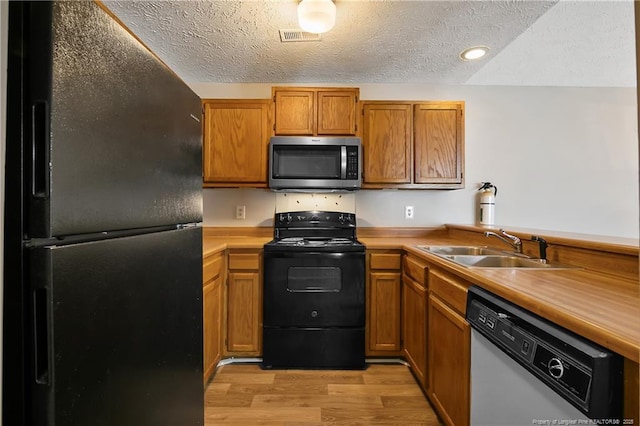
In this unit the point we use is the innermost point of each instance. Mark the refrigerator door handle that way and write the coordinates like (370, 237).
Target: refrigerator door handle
(40, 149)
(41, 342)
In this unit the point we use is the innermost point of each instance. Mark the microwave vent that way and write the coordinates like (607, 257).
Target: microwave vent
(288, 36)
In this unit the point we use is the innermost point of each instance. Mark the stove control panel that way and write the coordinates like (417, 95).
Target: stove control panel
(283, 219)
(311, 219)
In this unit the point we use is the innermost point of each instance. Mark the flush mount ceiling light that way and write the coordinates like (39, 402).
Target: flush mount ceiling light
(475, 52)
(316, 16)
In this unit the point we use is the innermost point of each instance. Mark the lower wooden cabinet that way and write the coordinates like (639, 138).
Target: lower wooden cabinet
(212, 306)
(449, 349)
(414, 320)
(415, 317)
(384, 286)
(244, 304)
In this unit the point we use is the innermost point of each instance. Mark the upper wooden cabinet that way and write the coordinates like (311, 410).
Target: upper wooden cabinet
(438, 134)
(314, 111)
(236, 141)
(387, 143)
(413, 145)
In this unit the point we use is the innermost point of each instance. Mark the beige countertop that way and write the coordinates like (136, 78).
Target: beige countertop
(212, 245)
(600, 307)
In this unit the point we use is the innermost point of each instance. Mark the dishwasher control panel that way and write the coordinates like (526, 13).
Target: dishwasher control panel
(582, 372)
(501, 329)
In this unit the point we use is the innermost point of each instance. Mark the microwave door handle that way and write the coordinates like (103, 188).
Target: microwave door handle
(343, 162)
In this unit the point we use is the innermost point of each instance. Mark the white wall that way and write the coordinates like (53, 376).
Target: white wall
(563, 159)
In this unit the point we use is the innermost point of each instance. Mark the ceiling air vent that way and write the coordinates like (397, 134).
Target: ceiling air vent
(287, 36)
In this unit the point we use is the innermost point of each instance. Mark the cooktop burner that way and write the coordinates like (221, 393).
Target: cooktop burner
(301, 241)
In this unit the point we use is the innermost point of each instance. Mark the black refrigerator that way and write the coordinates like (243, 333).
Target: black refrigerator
(103, 238)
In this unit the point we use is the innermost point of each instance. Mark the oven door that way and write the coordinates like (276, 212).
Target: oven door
(314, 289)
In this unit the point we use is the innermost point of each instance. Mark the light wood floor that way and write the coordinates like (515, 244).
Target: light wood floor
(382, 394)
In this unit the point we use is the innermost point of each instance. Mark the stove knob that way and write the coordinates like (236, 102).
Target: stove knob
(314, 314)
(315, 218)
(555, 367)
(288, 218)
(341, 218)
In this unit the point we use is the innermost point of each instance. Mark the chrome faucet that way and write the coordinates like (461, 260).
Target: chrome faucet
(512, 240)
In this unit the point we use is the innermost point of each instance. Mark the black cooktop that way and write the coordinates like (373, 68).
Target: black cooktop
(314, 230)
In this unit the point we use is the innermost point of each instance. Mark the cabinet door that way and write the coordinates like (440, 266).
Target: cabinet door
(384, 315)
(244, 312)
(414, 327)
(236, 138)
(212, 289)
(449, 362)
(212, 318)
(295, 112)
(386, 143)
(438, 147)
(336, 112)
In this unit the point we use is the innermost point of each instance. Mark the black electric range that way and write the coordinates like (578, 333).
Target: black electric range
(314, 292)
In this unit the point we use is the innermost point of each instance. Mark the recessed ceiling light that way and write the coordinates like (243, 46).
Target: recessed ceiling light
(475, 52)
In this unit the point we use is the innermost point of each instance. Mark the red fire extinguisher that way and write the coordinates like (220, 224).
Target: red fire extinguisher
(488, 192)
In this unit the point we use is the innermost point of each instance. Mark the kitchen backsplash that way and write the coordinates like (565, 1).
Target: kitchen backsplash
(290, 202)
(373, 208)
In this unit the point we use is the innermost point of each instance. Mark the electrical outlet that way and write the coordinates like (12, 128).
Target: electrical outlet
(240, 212)
(408, 212)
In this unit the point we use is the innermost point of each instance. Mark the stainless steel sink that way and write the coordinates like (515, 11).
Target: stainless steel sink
(461, 250)
(484, 257)
(499, 262)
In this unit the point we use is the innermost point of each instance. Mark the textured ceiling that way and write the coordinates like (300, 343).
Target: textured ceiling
(571, 43)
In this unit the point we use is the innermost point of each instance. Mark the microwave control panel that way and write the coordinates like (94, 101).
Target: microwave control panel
(352, 162)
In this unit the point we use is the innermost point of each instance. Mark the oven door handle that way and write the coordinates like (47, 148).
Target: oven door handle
(314, 254)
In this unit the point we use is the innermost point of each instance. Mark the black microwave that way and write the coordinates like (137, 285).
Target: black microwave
(315, 163)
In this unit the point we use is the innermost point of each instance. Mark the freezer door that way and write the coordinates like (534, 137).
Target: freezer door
(112, 138)
(118, 332)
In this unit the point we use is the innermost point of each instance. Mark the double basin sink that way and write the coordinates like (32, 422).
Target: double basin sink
(484, 257)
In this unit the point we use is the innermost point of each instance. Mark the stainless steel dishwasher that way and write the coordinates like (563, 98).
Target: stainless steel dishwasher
(526, 370)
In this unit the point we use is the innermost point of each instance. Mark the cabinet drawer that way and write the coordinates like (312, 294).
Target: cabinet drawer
(416, 269)
(450, 289)
(211, 267)
(244, 261)
(385, 261)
